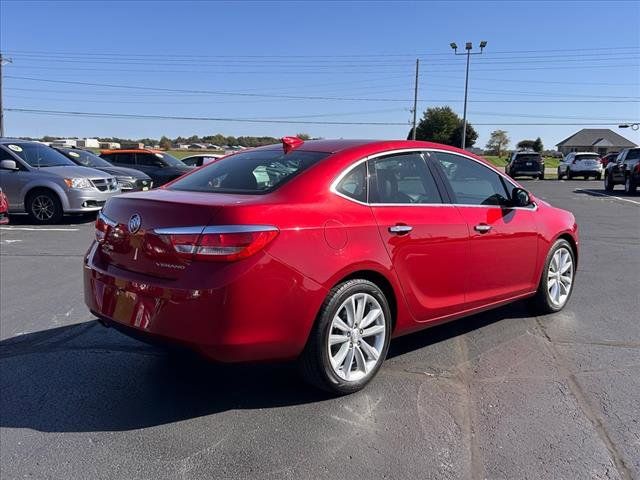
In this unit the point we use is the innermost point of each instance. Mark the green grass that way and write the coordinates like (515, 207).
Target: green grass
(549, 162)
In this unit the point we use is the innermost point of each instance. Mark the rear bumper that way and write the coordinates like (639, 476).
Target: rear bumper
(261, 310)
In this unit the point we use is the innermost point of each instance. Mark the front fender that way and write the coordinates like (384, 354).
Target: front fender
(39, 183)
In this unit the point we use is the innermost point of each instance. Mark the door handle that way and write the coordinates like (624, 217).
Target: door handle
(400, 229)
(482, 228)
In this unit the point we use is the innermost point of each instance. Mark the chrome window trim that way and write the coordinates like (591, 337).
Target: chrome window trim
(346, 171)
(212, 229)
(107, 220)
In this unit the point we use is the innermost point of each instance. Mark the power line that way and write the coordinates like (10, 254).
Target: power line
(253, 120)
(294, 97)
(409, 55)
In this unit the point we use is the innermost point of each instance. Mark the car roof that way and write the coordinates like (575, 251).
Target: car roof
(339, 145)
(17, 140)
(131, 150)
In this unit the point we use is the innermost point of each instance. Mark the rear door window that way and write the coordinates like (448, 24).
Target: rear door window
(402, 179)
(253, 172)
(150, 160)
(123, 158)
(354, 183)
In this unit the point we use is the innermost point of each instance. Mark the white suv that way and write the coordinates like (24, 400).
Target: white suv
(585, 164)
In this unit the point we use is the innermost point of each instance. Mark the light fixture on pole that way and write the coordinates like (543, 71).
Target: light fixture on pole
(468, 47)
(632, 126)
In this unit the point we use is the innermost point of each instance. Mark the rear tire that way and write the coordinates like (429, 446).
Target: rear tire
(541, 176)
(569, 174)
(560, 175)
(630, 186)
(599, 176)
(549, 299)
(44, 207)
(608, 183)
(336, 344)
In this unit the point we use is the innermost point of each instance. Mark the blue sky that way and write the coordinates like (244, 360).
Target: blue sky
(359, 56)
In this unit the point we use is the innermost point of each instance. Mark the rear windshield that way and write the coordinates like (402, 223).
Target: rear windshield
(528, 157)
(633, 154)
(256, 171)
(38, 155)
(588, 156)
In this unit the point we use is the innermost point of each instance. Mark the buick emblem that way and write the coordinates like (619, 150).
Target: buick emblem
(134, 223)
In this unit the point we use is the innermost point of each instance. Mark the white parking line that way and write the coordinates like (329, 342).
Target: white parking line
(607, 195)
(32, 229)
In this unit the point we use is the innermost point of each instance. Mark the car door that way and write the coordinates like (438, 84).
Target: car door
(427, 240)
(618, 170)
(503, 241)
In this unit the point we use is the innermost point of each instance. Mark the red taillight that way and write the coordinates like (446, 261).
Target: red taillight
(103, 224)
(226, 243)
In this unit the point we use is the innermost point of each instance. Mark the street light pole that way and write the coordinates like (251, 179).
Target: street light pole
(468, 47)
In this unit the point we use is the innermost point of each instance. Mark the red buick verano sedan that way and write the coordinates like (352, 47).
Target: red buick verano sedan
(321, 251)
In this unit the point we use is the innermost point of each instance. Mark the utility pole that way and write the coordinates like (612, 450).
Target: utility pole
(468, 47)
(2, 62)
(415, 101)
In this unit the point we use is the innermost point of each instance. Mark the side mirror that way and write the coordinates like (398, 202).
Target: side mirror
(8, 165)
(520, 197)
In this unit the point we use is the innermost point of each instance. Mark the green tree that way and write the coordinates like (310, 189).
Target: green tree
(471, 135)
(303, 136)
(537, 145)
(165, 143)
(442, 125)
(526, 144)
(497, 142)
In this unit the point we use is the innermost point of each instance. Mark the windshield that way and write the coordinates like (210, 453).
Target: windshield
(37, 155)
(257, 171)
(173, 161)
(84, 158)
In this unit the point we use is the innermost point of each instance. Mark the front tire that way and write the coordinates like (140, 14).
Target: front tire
(556, 283)
(569, 174)
(350, 339)
(560, 175)
(44, 207)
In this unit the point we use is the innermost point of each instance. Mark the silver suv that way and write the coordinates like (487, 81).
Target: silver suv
(585, 164)
(45, 184)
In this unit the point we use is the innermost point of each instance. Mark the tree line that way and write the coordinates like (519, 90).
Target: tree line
(443, 125)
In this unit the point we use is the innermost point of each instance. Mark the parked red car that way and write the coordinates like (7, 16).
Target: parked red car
(4, 208)
(322, 251)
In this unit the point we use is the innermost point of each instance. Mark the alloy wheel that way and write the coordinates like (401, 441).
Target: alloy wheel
(43, 207)
(356, 337)
(560, 276)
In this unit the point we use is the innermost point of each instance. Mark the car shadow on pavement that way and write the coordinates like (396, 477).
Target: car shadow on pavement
(24, 220)
(601, 192)
(86, 378)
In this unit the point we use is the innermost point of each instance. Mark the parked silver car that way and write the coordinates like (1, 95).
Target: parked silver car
(45, 184)
(585, 164)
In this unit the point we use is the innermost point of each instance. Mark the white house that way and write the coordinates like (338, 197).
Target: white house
(88, 143)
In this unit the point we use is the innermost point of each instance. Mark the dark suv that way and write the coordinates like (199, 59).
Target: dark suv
(529, 164)
(160, 166)
(130, 180)
(625, 170)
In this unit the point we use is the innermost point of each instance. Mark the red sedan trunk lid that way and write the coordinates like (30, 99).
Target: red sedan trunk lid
(130, 241)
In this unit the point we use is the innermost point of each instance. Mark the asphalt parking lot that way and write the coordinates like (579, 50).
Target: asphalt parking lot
(497, 395)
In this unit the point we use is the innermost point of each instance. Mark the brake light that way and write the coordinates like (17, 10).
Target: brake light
(225, 243)
(103, 224)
